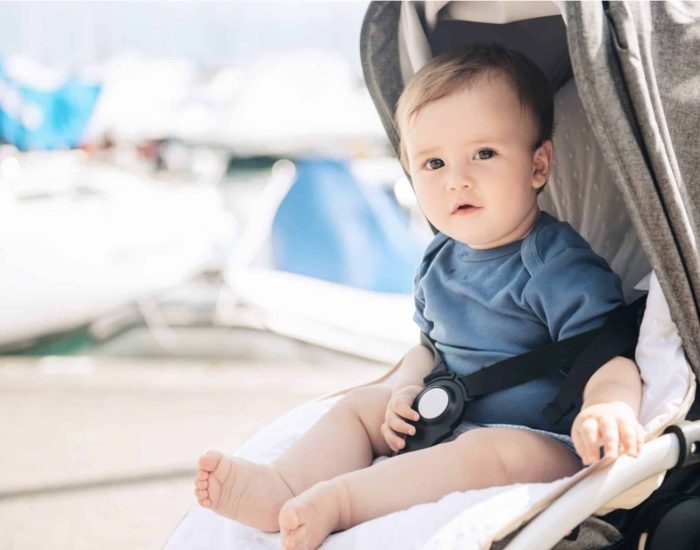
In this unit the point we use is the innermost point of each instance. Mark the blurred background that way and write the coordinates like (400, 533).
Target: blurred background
(202, 225)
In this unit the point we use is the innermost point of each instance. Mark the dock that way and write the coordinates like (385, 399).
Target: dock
(100, 452)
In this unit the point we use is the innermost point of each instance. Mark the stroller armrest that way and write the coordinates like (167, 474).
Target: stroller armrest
(594, 491)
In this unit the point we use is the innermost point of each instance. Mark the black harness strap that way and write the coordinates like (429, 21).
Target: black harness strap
(618, 337)
(578, 357)
(518, 370)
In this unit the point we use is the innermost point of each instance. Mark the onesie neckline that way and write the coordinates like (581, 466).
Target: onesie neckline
(469, 254)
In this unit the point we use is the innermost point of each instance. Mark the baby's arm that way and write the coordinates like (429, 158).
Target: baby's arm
(608, 417)
(415, 366)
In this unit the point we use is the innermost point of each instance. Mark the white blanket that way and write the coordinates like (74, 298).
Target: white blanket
(465, 520)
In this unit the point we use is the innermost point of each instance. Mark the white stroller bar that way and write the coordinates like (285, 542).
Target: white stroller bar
(599, 488)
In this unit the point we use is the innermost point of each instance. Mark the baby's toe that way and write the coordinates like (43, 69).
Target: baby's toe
(293, 524)
(291, 516)
(209, 461)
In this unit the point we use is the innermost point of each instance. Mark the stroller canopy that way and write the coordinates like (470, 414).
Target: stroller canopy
(635, 66)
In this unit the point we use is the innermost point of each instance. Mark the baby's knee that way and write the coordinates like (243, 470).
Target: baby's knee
(513, 455)
(483, 446)
(373, 397)
(367, 405)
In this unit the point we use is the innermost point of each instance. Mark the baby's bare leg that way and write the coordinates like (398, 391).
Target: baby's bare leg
(477, 459)
(346, 438)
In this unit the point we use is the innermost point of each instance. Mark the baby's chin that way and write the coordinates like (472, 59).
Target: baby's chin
(484, 240)
(479, 238)
(470, 241)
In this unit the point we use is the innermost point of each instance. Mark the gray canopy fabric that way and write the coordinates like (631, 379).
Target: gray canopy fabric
(379, 48)
(637, 67)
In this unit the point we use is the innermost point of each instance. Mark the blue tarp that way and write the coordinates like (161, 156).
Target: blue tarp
(44, 119)
(332, 227)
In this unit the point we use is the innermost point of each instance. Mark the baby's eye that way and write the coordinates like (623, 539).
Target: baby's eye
(434, 164)
(485, 154)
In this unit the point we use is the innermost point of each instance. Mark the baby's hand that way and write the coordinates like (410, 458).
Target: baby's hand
(612, 426)
(398, 410)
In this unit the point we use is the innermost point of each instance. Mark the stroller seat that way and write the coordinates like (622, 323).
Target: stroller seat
(471, 519)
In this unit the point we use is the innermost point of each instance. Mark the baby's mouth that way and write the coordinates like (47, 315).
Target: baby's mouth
(465, 208)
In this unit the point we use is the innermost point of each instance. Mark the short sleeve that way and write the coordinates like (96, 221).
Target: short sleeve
(419, 282)
(572, 289)
(419, 299)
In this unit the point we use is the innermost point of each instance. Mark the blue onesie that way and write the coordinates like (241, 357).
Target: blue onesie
(482, 306)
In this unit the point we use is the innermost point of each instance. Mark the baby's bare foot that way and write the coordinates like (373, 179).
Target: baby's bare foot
(305, 521)
(247, 492)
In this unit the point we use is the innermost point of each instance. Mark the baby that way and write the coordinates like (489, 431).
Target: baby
(499, 279)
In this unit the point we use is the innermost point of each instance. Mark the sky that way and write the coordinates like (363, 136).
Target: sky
(70, 35)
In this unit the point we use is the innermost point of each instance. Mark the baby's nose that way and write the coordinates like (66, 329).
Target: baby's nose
(460, 180)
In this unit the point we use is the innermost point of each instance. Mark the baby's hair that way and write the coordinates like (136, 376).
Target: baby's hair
(454, 71)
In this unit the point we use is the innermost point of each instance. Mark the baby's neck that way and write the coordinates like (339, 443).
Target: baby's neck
(518, 234)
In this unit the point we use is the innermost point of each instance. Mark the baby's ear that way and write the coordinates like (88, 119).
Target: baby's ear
(541, 164)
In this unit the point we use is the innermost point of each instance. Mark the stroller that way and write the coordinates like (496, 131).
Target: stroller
(626, 120)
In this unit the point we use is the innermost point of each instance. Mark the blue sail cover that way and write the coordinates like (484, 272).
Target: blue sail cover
(31, 118)
(331, 227)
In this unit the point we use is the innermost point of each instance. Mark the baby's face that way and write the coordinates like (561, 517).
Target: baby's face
(471, 159)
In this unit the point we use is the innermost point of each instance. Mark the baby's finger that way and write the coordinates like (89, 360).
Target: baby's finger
(640, 437)
(399, 425)
(397, 442)
(402, 407)
(628, 438)
(394, 441)
(609, 436)
(578, 446)
(590, 440)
